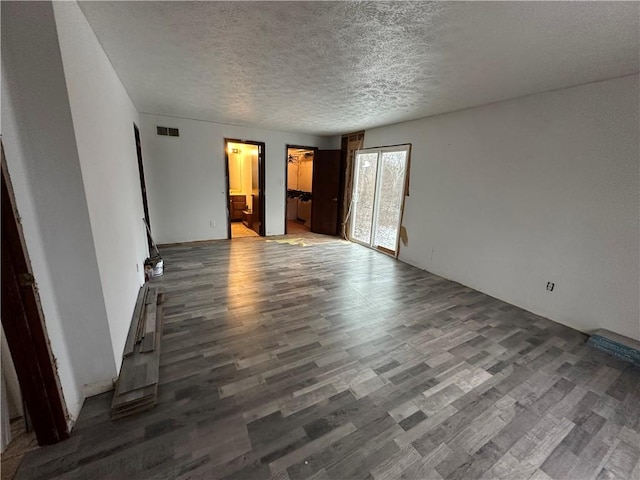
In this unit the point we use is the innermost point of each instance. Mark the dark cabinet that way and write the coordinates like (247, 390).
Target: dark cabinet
(247, 218)
(237, 203)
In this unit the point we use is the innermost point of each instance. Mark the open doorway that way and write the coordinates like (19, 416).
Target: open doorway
(299, 188)
(245, 188)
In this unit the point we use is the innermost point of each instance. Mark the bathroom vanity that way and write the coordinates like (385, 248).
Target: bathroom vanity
(237, 203)
(247, 218)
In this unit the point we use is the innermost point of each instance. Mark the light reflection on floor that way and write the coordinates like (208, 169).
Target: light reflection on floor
(239, 230)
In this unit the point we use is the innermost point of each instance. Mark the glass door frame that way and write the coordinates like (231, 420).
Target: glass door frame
(379, 151)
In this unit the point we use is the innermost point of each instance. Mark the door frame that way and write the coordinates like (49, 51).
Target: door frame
(286, 175)
(261, 181)
(25, 329)
(143, 184)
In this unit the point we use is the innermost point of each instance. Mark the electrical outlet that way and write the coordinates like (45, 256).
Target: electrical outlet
(550, 286)
(212, 224)
(137, 267)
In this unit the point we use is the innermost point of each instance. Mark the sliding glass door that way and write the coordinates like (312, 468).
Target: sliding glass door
(378, 193)
(366, 168)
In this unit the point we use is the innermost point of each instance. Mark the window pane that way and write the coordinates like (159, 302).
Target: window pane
(364, 196)
(392, 169)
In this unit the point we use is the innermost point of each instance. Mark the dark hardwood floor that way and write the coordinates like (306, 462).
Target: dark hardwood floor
(323, 359)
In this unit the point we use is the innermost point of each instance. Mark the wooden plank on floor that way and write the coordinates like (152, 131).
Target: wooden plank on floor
(149, 342)
(140, 331)
(152, 296)
(135, 322)
(136, 389)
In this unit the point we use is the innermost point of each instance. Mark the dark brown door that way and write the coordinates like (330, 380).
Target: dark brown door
(326, 198)
(24, 327)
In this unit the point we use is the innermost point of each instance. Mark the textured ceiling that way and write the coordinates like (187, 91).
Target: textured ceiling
(337, 67)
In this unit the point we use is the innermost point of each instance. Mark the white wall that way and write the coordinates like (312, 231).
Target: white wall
(103, 117)
(509, 196)
(236, 170)
(43, 163)
(185, 175)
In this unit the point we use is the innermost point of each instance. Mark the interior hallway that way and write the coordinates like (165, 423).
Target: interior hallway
(289, 361)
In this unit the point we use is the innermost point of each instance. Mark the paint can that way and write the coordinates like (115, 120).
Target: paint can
(158, 269)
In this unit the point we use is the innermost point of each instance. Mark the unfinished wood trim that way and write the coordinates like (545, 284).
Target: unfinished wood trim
(24, 326)
(143, 184)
